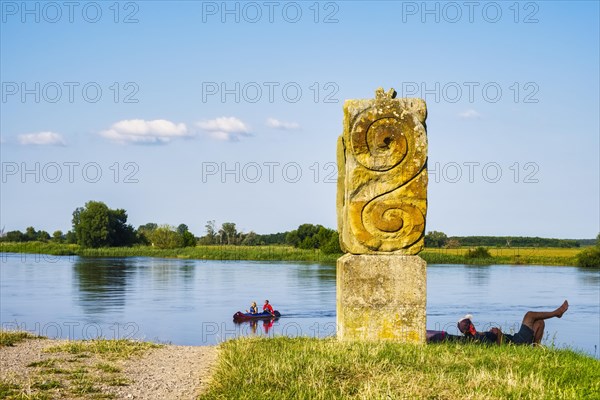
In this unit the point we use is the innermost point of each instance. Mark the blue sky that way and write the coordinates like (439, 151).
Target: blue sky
(190, 115)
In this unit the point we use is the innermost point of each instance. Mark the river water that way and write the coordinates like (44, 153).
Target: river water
(191, 302)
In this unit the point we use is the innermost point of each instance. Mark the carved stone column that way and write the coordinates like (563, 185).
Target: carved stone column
(381, 207)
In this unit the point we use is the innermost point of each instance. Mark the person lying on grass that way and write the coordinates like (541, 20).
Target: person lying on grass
(531, 331)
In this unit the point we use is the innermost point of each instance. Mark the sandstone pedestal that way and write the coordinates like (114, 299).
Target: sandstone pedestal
(381, 297)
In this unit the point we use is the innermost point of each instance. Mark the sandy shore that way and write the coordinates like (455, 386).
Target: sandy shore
(169, 372)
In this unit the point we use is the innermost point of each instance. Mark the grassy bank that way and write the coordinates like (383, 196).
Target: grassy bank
(541, 256)
(10, 338)
(285, 368)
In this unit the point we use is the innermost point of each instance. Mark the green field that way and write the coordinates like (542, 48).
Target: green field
(523, 255)
(303, 368)
(539, 256)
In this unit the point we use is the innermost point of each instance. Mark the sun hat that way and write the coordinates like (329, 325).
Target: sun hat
(468, 316)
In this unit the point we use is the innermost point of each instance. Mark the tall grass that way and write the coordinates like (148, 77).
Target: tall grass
(540, 256)
(214, 252)
(303, 368)
(56, 249)
(10, 338)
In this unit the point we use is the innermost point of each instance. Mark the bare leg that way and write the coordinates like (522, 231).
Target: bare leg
(531, 317)
(538, 331)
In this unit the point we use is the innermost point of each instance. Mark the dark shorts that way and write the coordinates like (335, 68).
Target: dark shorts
(524, 336)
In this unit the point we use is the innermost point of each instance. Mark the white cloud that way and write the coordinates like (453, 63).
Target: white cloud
(469, 114)
(276, 124)
(225, 128)
(145, 132)
(42, 139)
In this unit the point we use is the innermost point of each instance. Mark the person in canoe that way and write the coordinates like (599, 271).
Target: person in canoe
(531, 331)
(253, 308)
(268, 308)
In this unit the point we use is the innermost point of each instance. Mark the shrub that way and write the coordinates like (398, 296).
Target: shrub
(165, 237)
(589, 258)
(478, 252)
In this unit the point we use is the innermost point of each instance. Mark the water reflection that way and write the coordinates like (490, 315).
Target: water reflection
(589, 278)
(318, 272)
(478, 275)
(101, 284)
(251, 327)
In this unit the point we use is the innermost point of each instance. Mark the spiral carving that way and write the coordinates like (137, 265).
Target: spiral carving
(392, 223)
(379, 145)
(383, 177)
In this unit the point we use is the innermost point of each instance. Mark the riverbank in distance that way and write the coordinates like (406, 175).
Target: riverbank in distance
(513, 256)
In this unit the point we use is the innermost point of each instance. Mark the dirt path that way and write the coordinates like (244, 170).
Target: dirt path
(169, 372)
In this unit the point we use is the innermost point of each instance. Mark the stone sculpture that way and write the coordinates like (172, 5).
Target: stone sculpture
(382, 207)
(382, 175)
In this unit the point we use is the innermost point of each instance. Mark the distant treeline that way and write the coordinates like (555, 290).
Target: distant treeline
(458, 241)
(96, 226)
(519, 241)
(441, 240)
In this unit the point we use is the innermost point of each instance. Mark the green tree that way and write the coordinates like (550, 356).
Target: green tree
(435, 239)
(228, 233)
(292, 238)
(71, 237)
(452, 244)
(189, 240)
(121, 234)
(57, 236)
(182, 228)
(165, 237)
(211, 233)
(144, 231)
(333, 245)
(150, 226)
(42, 236)
(323, 236)
(91, 224)
(96, 225)
(187, 237)
(304, 236)
(273, 238)
(309, 236)
(30, 234)
(251, 239)
(14, 236)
